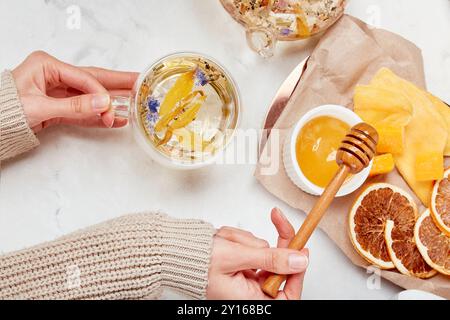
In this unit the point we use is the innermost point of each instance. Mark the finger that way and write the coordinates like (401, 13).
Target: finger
(276, 260)
(65, 92)
(262, 276)
(241, 236)
(293, 287)
(93, 122)
(294, 284)
(113, 79)
(77, 107)
(120, 92)
(61, 92)
(46, 124)
(250, 274)
(284, 228)
(75, 77)
(108, 118)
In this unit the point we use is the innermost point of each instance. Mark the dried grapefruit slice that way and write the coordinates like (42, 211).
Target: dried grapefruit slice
(403, 250)
(433, 244)
(377, 204)
(440, 203)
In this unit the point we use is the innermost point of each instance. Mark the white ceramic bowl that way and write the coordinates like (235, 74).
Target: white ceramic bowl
(290, 159)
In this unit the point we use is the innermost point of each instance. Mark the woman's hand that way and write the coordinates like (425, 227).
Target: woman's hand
(54, 92)
(241, 262)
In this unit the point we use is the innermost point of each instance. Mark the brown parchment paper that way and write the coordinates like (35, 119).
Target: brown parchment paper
(349, 53)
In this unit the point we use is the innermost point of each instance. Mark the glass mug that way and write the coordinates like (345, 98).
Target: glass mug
(269, 21)
(184, 110)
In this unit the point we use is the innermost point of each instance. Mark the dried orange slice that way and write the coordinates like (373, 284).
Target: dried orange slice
(377, 204)
(440, 203)
(433, 244)
(403, 250)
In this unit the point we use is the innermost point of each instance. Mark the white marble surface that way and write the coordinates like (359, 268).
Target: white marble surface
(80, 177)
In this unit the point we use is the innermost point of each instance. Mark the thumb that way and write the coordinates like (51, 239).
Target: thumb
(81, 106)
(276, 260)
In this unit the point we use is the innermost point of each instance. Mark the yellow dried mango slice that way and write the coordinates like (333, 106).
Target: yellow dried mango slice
(181, 88)
(390, 139)
(382, 106)
(424, 136)
(444, 110)
(382, 164)
(388, 111)
(429, 166)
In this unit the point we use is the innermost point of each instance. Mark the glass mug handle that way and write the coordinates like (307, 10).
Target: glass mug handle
(261, 40)
(121, 106)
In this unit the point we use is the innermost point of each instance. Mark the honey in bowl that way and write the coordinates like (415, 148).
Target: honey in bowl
(316, 147)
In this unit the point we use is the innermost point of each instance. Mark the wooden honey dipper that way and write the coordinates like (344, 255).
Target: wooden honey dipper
(355, 153)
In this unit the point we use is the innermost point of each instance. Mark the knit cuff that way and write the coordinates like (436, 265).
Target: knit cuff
(186, 254)
(16, 136)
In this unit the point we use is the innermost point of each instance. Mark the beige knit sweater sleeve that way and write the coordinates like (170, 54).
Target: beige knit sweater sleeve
(132, 257)
(16, 136)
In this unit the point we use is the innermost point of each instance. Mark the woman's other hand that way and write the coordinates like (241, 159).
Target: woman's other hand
(241, 262)
(54, 92)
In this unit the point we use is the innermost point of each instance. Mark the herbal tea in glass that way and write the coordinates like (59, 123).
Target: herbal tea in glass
(187, 106)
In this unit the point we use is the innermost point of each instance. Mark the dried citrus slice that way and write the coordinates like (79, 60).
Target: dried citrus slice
(303, 30)
(184, 113)
(440, 203)
(181, 88)
(377, 204)
(189, 113)
(433, 244)
(403, 250)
